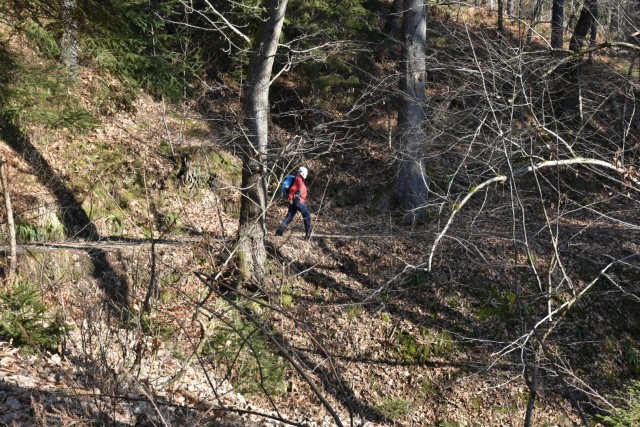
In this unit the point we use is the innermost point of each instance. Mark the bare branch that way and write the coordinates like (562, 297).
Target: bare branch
(518, 172)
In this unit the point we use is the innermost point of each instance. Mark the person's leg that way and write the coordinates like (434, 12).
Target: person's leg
(287, 219)
(306, 217)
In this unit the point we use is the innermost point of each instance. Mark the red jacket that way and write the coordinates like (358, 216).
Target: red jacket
(299, 187)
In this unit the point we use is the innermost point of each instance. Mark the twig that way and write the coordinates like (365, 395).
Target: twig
(531, 168)
(283, 351)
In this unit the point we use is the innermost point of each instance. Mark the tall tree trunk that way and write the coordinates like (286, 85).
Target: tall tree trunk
(412, 184)
(537, 10)
(13, 258)
(571, 100)
(557, 24)
(583, 25)
(251, 252)
(594, 28)
(501, 17)
(70, 36)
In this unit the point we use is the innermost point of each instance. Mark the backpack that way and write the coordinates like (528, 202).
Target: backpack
(286, 184)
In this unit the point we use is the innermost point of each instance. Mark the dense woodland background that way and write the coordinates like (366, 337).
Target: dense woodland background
(474, 188)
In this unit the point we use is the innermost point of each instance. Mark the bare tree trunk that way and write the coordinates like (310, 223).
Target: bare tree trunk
(70, 36)
(557, 24)
(571, 103)
(594, 28)
(531, 376)
(501, 17)
(537, 10)
(412, 185)
(587, 17)
(251, 252)
(13, 258)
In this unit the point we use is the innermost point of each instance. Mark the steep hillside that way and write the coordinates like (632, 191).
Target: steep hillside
(519, 295)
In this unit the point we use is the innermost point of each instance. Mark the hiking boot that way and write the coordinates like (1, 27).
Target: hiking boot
(279, 231)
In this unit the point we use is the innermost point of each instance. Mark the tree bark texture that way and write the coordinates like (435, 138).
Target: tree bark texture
(70, 36)
(557, 24)
(412, 184)
(251, 253)
(393, 24)
(571, 99)
(587, 17)
(594, 28)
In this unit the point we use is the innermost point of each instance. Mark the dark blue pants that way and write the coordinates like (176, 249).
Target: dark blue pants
(296, 206)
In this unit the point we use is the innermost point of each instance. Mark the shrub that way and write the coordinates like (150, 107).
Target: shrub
(243, 349)
(394, 408)
(26, 320)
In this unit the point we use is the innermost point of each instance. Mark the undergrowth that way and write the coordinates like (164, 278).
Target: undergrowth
(39, 95)
(25, 319)
(251, 361)
(627, 414)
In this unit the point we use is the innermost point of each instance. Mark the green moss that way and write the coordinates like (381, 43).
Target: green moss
(166, 296)
(427, 388)
(196, 129)
(439, 41)
(501, 304)
(354, 311)
(242, 264)
(287, 295)
(631, 356)
(287, 301)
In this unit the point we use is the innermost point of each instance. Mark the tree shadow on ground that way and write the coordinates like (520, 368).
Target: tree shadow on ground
(75, 220)
(334, 382)
(23, 406)
(328, 374)
(27, 406)
(396, 300)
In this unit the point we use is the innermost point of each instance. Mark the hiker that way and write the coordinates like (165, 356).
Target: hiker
(297, 198)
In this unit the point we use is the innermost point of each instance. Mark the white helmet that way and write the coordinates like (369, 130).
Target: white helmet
(303, 171)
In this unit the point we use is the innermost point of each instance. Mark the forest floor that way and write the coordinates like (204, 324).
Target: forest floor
(386, 337)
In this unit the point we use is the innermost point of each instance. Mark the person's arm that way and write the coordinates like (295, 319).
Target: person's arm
(297, 183)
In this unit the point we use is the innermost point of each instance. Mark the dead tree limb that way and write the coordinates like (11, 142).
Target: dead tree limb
(13, 258)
